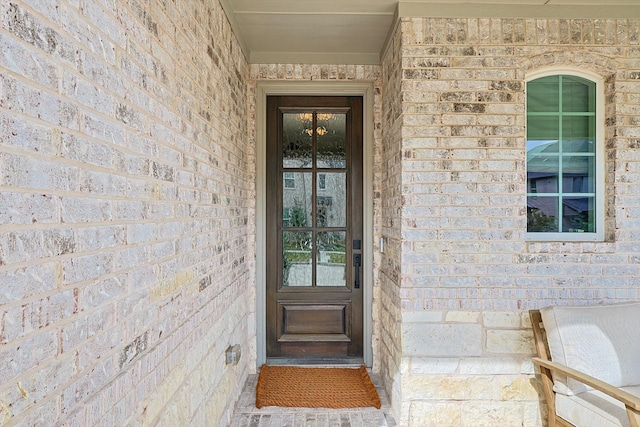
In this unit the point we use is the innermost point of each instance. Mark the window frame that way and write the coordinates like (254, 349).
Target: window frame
(599, 179)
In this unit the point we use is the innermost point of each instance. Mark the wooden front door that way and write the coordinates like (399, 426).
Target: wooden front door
(314, 228)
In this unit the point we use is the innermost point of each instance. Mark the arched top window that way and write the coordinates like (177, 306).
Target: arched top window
(565, 157)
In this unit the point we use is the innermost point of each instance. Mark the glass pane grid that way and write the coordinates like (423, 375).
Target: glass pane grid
(576, 208)
(314, 200)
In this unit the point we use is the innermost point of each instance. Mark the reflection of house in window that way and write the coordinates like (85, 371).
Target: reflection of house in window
(289, 180)
(576, 184)
(555, 176)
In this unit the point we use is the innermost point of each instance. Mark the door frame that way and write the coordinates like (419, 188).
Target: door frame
(365, 90)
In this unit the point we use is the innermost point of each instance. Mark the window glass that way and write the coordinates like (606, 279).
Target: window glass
(542, 94)
(561, 157)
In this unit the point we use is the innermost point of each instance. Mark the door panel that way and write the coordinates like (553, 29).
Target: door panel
(314, 227)
(308, 320)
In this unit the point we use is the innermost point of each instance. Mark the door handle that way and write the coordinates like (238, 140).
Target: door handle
(357, 262)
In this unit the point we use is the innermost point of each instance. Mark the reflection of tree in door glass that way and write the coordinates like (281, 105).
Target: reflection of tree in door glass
(296, 258)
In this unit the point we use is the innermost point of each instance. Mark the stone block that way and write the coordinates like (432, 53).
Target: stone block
(484, 414)
(423, 339)
(501, 319)
(490, 365)
(462, 316)
(429, 413)
(452, 387)
(509, 341)
(521, 389)
(434, 365)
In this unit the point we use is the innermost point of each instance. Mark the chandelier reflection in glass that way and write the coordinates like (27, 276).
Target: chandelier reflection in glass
(307, 118)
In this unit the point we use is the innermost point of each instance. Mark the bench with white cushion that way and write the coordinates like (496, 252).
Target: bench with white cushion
(589, 359)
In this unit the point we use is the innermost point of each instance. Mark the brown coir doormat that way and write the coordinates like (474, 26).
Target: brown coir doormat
(301, 387)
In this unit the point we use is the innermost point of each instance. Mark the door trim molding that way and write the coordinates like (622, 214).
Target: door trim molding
(264, 89)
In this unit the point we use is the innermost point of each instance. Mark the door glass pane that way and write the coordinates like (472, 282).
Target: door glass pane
(296, 258)
(542, 174)
(297, 191)
(331, 131)
(297, 140)
(331, 258)
(578, 214)
(332, 200)
(542, 214)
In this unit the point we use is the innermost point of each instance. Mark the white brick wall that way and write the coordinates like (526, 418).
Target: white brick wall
(468, 275)
(126, 200)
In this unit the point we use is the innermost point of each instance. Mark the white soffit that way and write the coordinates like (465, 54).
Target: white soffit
(355, 31)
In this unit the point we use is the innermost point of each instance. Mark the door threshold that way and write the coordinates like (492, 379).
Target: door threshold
(316, 361)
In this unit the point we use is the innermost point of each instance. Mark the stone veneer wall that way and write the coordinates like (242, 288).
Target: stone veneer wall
(126, 200)
(467, 273)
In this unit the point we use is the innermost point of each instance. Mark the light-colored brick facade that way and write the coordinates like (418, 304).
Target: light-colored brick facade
(127, 210)
(463, 272)
(126, 203)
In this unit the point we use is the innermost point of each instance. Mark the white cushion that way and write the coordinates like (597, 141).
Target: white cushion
(602, 341)
(594, 409)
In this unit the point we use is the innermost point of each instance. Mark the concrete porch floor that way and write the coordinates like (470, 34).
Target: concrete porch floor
(247, 415)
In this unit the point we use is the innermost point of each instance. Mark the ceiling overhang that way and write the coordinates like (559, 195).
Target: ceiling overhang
(357, 32)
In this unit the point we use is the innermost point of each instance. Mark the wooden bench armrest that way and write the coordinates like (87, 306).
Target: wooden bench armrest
(629, 400)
